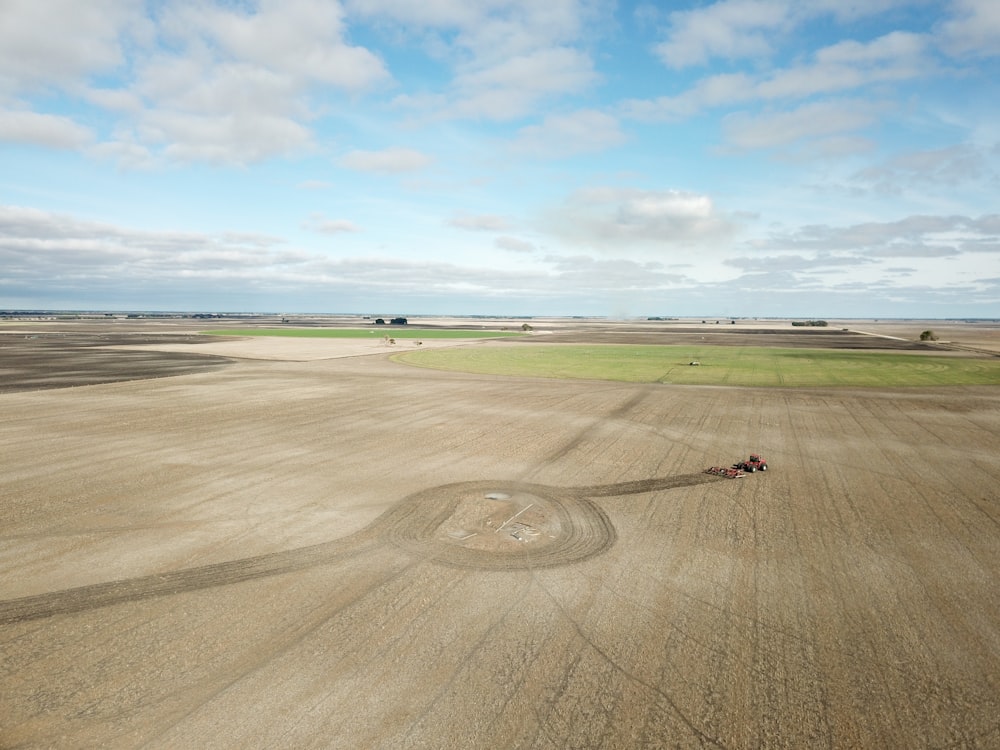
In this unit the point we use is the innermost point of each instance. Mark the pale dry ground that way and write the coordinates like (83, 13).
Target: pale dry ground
(980, 335)
(294, 349)
(274, 555)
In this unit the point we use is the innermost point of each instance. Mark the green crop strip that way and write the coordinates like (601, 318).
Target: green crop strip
(365, 333)
(720, 365)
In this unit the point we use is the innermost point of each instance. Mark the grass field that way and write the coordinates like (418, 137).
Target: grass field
(364, 333)
(734, 366)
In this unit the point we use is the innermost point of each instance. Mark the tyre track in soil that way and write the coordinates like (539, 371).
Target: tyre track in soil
(447, 686)
(847, 590)
(197, 697)
(629, 675)
(592, 534)
(411, 523)
(946, 604)
(815, 648)
(859, 532)
(179, 581)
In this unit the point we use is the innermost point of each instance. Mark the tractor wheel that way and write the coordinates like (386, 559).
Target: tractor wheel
(763, 467)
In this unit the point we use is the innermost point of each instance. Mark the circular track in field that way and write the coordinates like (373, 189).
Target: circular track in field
(499, 525)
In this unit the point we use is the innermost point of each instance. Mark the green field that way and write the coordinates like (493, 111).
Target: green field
(721, 365)
(375, 332)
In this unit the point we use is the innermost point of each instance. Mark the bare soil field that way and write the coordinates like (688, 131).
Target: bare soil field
(257, 547)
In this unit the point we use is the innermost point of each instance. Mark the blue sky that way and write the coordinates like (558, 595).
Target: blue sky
(805, 158)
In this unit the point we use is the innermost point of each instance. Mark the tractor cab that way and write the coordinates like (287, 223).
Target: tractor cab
(752, 464)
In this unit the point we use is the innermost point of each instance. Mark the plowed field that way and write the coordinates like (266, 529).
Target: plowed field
(346, 552)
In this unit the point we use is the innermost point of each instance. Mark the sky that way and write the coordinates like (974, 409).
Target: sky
(743, 158)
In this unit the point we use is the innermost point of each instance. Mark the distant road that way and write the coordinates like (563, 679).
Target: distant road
(879, 335)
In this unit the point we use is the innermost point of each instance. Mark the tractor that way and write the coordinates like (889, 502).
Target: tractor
(752, 464)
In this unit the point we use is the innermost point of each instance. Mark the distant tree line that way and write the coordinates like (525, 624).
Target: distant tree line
(820, 323)
(393, 322)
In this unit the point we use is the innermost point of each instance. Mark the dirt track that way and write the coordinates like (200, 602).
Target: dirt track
(350, 553)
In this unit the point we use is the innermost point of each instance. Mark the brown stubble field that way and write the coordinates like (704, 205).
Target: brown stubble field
(345, 552)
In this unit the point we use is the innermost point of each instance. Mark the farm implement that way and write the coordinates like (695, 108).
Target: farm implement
(741, 469)
(729, 473)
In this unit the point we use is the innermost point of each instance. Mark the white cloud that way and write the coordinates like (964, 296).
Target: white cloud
(48, 246)
(727, 89)
(891, 47)
(846, 11)
(231, 86)
(125, 149)
(988, 224)
(951, 166)
(864, 258)
(480, 222)
(505, 55)
(216, 88)
(386, 161)
(177, 77)
(897, 56)
(744, 131)
(434, 13)
(793, 263)
(319, 223)
(613, 277)
(300, 38)
(486, 32)
(622, 220)
(223, 139)
(975, 29)
(47, 256)
(825, 147)
(558, 136)
(115, 100)
(251, 239)
(841, 67)
(550, 69)
(514, 245)
(741, 29)
(916, 236)
(914, 250)
(53, 131)
(730, 29)
(219, 82)
(511, 88)
(59, 43)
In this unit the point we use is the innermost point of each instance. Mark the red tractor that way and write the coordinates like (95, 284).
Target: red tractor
(752, 464)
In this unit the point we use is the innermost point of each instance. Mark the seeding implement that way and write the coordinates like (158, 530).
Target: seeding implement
(738, 470)
(722, 471)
